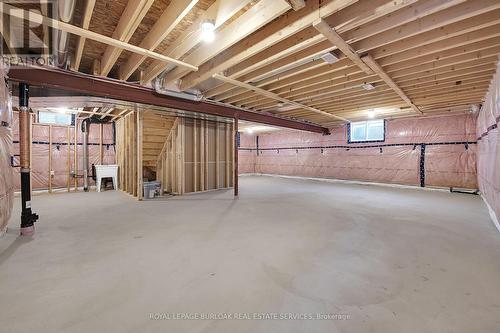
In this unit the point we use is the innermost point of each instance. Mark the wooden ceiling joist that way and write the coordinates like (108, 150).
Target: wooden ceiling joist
(349, 18)
(278, 30)
(383, 75)
(336, 40)
(80, 44)
(171, 17)
(34, 17)
(261, 14)
(220, 11)
(297, 4)
(131, 17)
(275, 97)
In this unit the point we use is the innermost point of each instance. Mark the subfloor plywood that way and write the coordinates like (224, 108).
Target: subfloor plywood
(394, 260)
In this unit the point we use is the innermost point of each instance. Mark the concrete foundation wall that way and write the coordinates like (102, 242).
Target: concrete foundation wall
(435, 151)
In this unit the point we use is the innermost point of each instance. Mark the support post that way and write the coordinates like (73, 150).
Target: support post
(28, 218)
(235, 164)
(85, 130)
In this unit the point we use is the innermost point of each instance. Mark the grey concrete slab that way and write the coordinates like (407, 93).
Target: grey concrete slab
(393, 260)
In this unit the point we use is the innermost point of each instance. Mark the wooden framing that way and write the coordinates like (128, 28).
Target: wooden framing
(170, 18)
(267, 53)
(196, 157)
(132, 15)
(80, 44)
(336, 40)
(275, 96)
(383, 75)
(37, 18)
(220, 11)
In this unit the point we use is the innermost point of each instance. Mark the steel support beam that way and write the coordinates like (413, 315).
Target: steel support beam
(110, 88)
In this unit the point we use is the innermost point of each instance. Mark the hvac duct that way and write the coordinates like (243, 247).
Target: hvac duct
(66, 9)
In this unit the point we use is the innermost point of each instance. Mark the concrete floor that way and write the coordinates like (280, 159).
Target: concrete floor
(393, 260)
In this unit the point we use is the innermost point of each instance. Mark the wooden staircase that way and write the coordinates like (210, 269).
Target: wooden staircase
(156, 128)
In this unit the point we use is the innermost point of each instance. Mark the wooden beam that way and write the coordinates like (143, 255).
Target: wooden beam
(278, 30)
(129, 21)
(297, 4)
(336, 40)
(220, 11)
(349, 22)
(33, 16)
(80, 44)
(171, 17)
(383, 75)
(261, 14)
(106, 113)
(274, 96)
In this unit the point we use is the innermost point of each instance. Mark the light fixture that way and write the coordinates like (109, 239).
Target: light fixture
(474, 108)
(208, 31)
(329, 58)
(368, 86)
(371, 113)
(249, 130)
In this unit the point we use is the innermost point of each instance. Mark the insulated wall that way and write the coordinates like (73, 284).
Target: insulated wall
(425, 151)
(54, 161)
(6, 174)
(488, 162)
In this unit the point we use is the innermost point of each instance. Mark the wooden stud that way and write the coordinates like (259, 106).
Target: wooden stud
(217, 156)
(50, 159)
(139, 141)
(195, 157)
(68, 164)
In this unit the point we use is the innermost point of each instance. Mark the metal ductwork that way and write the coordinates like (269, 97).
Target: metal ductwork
(159, 88)
(66, 9)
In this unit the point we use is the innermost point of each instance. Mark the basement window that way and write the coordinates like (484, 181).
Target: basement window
(55, 118)
(366, 131)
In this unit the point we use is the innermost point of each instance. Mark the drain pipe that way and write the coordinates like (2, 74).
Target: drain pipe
(28, 218)
(85, 131)
(158, 85)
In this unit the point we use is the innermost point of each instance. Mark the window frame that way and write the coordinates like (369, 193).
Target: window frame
(366, 127)
(72, 123)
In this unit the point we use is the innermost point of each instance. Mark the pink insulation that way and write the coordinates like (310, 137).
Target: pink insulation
(488, 161)
(6, 174)
(63, 158)
(396, 160)
(246, 158)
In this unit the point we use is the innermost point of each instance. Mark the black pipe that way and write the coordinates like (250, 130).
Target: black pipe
(85, 129)
(28, 218)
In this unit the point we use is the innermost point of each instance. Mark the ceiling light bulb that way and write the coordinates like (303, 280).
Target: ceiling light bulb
(368, 86)
(208, 31)
(371, 113)
(249, 130)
